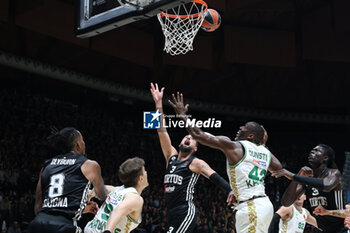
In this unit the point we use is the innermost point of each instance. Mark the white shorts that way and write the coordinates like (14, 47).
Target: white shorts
(254, 216)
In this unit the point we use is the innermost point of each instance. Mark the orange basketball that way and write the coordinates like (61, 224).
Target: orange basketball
(212, 20)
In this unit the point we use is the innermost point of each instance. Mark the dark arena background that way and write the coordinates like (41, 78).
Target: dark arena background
(282, 63)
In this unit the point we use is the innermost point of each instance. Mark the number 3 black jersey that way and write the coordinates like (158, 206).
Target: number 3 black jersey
(332, 200)
(179, 182)
(64, 186)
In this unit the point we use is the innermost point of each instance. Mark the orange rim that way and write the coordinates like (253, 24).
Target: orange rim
(162, 14)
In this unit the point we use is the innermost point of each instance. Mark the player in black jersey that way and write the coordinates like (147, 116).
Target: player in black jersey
(336, 213)
(64, 181)
(321, 184)
(182, 172)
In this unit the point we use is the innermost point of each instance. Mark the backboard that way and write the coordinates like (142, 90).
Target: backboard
(94, 17)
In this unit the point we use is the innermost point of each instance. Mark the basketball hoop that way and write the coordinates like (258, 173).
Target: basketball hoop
(180, 25)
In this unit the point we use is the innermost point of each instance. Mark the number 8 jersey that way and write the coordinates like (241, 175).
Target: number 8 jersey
(64, 186)
(248, 174)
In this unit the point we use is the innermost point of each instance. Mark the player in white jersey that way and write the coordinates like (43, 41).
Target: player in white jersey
(121, 212)
(292, 219)
(248, 160)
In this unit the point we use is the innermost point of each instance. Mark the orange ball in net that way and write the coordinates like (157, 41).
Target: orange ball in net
(212, 20)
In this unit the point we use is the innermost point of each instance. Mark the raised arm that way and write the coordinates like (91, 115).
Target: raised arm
(165, 142)
(311, 219)
(131, 205)
(92, 171)
(38, 195)
(222, 143)
(284, 213)
(326, 185)
(275, 164)
(292, 193)
(295, 189)
(199, 166)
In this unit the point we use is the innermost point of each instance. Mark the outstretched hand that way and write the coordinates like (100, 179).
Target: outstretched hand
(156, 94)
(319, 210)
(306, 171)
(283, 172)
(178, 104)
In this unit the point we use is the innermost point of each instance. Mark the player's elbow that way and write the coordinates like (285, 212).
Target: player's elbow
(286, 201)
(102, 193)
(197, 135)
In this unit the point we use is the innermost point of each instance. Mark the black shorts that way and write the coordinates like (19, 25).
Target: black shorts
(182, 218)
(330, 224)
(46, 223)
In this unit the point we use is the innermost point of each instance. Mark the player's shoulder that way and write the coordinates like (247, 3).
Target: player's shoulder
(198, 162)
(334, 171)
(91, 163)
(308, 212)
(135, 197)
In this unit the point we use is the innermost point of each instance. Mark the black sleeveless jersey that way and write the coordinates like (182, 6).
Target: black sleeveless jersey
(179, 182)
(64, 187)
(332, 200)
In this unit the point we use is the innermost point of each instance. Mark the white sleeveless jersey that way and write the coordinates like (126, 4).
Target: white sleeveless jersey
(113, 199)
(295, 224)
(247, 177)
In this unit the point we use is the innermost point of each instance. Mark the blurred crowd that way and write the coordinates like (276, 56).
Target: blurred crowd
(112, 133)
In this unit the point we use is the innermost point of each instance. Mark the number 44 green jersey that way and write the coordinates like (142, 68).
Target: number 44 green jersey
(113, 199)
(247, 176)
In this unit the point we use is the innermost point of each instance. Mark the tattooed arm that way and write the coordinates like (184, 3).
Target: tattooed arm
(336, 213)
(201, 167)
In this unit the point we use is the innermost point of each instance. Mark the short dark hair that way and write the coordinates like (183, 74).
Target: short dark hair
(130, 171)
(329, 152)
(256, 129)
(63, 141)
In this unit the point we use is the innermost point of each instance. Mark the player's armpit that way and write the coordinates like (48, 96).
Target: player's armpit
(285, 212)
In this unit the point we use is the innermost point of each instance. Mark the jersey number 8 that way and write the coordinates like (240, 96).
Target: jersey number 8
(56, 185)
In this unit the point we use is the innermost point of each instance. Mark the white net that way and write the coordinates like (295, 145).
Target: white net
(180, 25)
